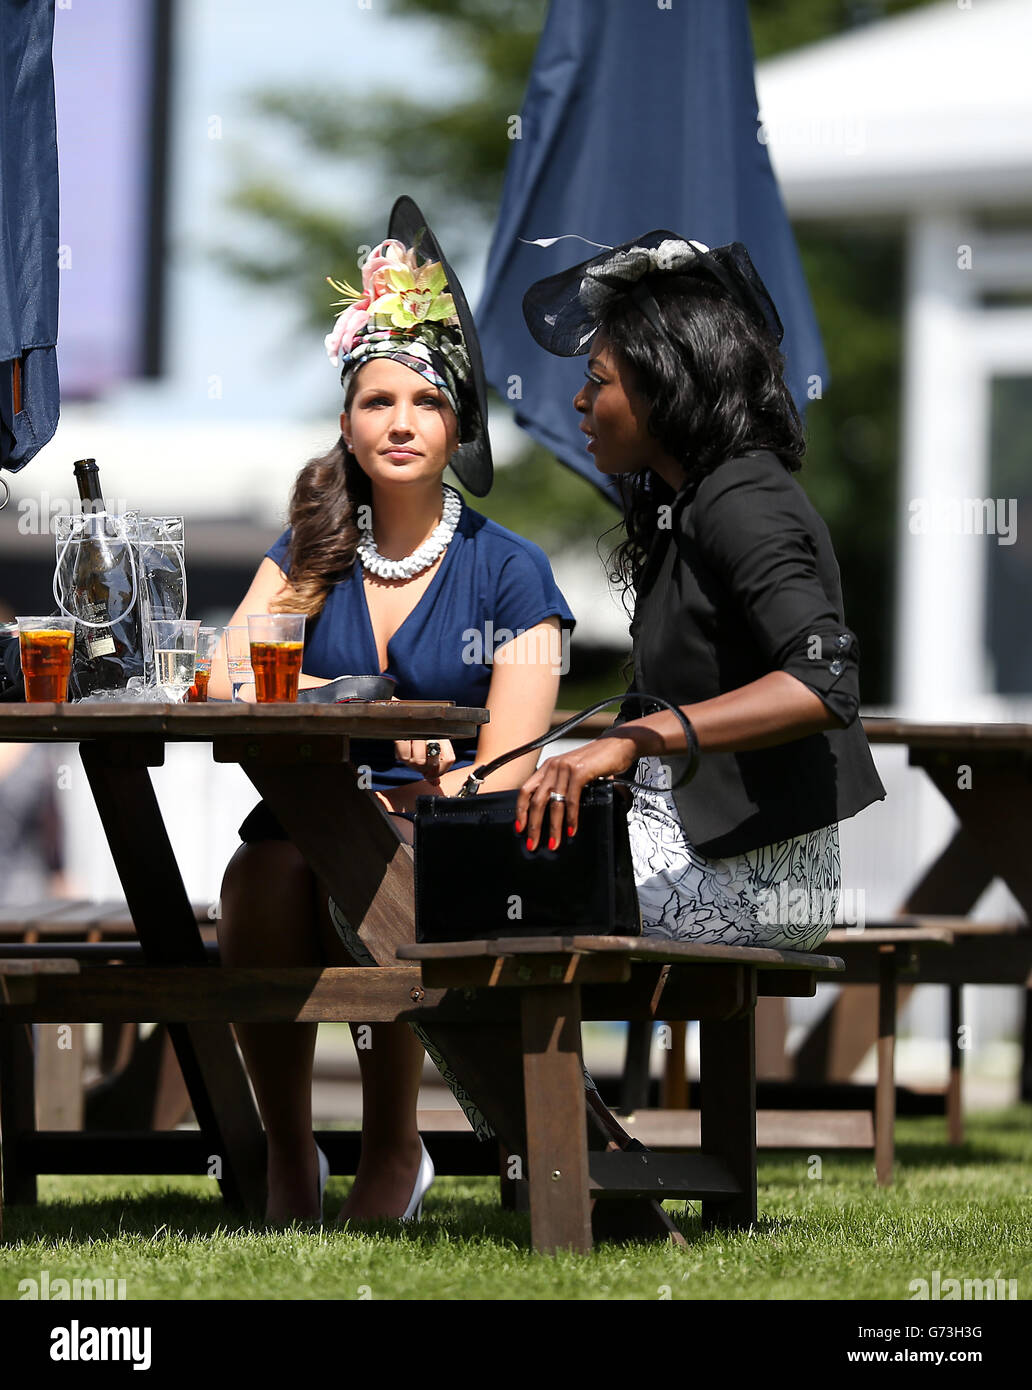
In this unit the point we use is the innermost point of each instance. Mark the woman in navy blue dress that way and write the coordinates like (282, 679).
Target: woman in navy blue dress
(399, 577)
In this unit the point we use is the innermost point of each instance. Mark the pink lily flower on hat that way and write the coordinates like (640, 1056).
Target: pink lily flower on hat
(359, 306)
(342, 336)
(390, 254)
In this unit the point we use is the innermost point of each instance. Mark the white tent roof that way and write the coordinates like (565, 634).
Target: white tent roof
(931, 107)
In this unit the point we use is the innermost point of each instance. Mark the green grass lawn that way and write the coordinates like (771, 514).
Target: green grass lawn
(966, 1213)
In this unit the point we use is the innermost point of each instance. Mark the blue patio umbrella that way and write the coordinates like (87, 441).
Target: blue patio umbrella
(29, 393)
(637, 115)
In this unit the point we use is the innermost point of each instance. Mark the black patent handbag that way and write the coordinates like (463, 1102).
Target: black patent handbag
(476, 880)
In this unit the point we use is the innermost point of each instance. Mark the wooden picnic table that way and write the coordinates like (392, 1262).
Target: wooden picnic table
(505, 1016)
(984, 770)
(296, 756)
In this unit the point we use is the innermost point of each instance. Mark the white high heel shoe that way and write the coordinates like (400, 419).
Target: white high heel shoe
(424, 1182)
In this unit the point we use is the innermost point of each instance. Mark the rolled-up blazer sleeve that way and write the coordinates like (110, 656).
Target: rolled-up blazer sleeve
(757, 531)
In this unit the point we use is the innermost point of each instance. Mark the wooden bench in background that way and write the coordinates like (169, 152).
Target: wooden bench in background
(884, 961)
(896, 955)
(141, 1086)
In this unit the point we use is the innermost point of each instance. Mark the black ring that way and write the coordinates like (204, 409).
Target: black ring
(433, 749)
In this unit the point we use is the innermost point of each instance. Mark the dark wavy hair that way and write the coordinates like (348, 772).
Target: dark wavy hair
(324, 532)
(715, 386)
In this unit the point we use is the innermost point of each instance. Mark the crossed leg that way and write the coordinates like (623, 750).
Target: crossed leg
(274, 913)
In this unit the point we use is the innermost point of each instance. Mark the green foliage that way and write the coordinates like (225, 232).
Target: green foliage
(549, 505)
(778, 27)
(850, 473)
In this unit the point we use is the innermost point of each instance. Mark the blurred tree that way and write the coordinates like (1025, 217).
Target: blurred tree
(451, 155)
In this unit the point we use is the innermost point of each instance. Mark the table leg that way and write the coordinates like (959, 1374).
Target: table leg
(146, 1091)
(994, 807)
(59, 1099)
(674, 1086)
(512, 1189)
(840, 1040)
(885, 1090)
(954, 1092)
(727, 1064)
(634, 1085)
(168, 932)
(557, 1141)
(17, 1109)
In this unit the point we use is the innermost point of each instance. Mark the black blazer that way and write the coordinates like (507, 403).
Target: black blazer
(744, 581)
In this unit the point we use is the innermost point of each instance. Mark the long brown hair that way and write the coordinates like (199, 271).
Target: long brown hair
(324, 533)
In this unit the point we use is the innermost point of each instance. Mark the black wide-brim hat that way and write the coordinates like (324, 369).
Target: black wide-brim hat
(472, 460)
(562, 311)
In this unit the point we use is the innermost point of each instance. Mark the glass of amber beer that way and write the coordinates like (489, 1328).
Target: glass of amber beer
(207, 642)
(277, 647)
(46, 657)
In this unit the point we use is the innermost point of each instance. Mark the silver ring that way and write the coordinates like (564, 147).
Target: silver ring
(433, 749)
(556, 796)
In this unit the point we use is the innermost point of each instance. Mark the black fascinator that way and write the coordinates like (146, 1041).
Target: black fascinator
(563, 310)
(472, 461)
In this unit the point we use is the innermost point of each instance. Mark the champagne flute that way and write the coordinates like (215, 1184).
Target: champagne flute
(175, 655)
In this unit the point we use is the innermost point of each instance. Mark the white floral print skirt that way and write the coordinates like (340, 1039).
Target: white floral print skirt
(783, 895)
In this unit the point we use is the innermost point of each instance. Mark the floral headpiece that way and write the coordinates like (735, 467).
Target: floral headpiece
(401, 312)
(411, 309)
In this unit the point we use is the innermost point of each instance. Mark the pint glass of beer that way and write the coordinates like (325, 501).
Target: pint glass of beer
(46, 657)
(277, 647)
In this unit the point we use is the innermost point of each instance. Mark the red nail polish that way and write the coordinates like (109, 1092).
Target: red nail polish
(530, 843)
(569, 831)
(519, 826)
(553, 843)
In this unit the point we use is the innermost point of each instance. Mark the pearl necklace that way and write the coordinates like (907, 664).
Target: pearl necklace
(424, 555)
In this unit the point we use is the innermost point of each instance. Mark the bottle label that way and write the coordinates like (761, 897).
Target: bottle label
(101, 645)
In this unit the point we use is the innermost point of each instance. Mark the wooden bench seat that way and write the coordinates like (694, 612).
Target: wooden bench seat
(548, 985)
(553, 978)
(77, 920)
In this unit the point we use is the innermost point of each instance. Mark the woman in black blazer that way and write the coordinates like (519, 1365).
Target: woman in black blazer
(738, 613)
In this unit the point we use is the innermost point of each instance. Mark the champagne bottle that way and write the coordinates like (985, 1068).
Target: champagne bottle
(101, 584)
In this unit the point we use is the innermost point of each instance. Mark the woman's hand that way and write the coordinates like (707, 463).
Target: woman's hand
(536, 810)
(431, 757)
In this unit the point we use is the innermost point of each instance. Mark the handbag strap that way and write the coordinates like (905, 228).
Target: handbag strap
(479, 774)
